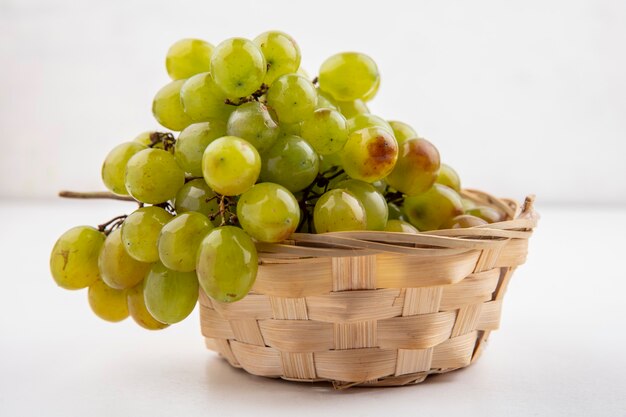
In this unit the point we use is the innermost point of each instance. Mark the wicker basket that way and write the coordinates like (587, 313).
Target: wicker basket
(372, 308)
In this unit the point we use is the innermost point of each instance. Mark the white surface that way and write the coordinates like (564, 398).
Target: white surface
(559, 352)
(518, 96)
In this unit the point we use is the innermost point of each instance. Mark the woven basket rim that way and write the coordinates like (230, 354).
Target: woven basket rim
(519, 223)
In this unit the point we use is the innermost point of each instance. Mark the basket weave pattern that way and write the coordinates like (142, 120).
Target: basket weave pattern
(372, 308)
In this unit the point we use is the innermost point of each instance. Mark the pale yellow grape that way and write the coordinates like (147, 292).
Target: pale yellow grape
(372, 93)
(292, 97)
(394, 212)
(203, 100)
(167, 107)
(352, 108)
(417, 167)
(373, 202)
(114, 166)
(188, 57)
(326, 130)
(180, 238)
(449, 177)
(339, 210)
(268, 212)
(253, 122)
(140, 232)
(227, 264)
(117, 268)
(170, 296)
(107, 303)
(489, 214)
(433, 209)
(369, 154)
(327, 162)
(400, 226)
(349, 76)
(138, 310)
(196, 195)
(281, 52)
(153, 176)
(402, 131)
(464, 221)
(238, 67)
(231, 165)
(192, 142)
(290, 162)
(74, 257)
(362, 121)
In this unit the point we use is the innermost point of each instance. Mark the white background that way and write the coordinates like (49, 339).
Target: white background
(520, 97)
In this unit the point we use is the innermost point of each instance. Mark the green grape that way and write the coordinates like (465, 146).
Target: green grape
(231, 165)
(227, 264)
(188, 57)
(238, 67)
(464, 221)
(372, 93)
(488, 214)
(117, 268)
(380, 186)
(434, 208)
(170, 296)
(374, 203)
(114, 166)
(400, 226)
(417, 167)
(107, 303)
(140, 232)
(196, 195)
(467, 204)
(348, 76)
(268, 212)
(369, 154)
(323, 102)
(448, 176)
(153, 176)
(326, 131)
(402, 131)
(192, 142)
(290, 162)
(291, 129)
(292, 97)
(281, 52)
(203, 100)
(365, 120)
(394, 212)
(167, 107)
(180, 238)
(339, 210)
(144, 138)
(352, 108)
(74, 257)
(138, 310)
(252, 122)
(301, 71)
(327, 162)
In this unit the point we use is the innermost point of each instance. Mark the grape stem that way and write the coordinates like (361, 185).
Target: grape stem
(112, 224)
(394, 197)
(252, 97)
(95, 195)
(315, 81)
(166, 138)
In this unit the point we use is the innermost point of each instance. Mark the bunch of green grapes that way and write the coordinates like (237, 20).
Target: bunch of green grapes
(263, 151)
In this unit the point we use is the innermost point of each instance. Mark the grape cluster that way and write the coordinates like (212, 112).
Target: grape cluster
(263, 151)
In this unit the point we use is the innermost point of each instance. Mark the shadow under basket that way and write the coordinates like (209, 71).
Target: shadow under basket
(373, 308)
